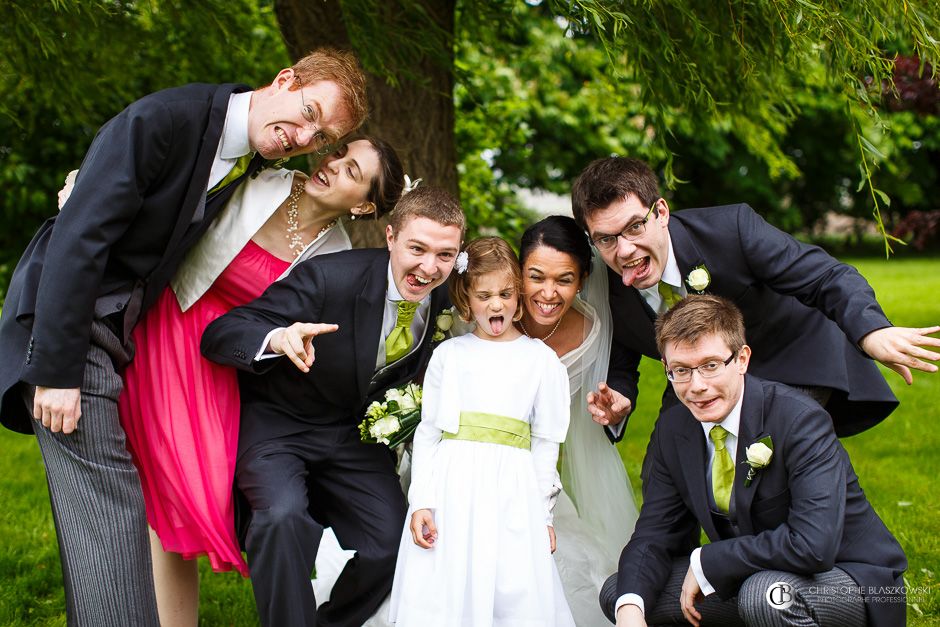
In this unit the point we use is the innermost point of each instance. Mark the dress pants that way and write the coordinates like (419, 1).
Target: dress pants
(97, 501)
(354, 489)
(827, 599)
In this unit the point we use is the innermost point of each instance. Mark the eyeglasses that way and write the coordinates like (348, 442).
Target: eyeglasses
(322, 144)
(708, 370)
(632, 232)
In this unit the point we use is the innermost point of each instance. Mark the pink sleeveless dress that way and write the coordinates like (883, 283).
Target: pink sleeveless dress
(180, 412)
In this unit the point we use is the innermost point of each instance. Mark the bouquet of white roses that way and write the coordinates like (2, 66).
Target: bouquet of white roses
(394, 421)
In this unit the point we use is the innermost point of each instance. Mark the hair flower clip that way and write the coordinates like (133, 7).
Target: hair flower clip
(460, 264)
(410, 185)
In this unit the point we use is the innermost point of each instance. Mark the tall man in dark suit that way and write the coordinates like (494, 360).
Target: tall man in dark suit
(300, 415)
(814, 322)
(152, 180)
(793, 540)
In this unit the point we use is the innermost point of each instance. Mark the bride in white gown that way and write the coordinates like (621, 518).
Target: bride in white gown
(595, 513)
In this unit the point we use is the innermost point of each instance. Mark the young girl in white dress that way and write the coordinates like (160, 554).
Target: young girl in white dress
(477, 545)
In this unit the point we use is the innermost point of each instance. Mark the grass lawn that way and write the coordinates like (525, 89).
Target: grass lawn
(894, 462)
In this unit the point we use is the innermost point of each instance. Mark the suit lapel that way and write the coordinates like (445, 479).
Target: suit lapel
(690, 455)
(195, 198)
(368, 318)
(751, 430)
(688, 255)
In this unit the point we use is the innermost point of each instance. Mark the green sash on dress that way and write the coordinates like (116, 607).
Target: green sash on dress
(479, 427)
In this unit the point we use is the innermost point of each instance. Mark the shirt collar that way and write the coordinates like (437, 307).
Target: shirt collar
(731, 423)
(235, 134)
(671, 275)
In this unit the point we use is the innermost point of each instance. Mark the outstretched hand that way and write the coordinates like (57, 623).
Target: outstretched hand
(607, 405)
(296, 342)
(899, 348)
(423, 530)
(58, 409)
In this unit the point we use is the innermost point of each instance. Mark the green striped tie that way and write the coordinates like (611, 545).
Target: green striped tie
(669, 294)
(399, 341)
(722, 469)
(241, 166)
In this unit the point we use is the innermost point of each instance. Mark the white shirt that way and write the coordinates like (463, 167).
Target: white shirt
(731, 424)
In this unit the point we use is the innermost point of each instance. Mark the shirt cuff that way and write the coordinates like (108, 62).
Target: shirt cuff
(617, 429)
(261, 354)
(629, 599)
(696, 562)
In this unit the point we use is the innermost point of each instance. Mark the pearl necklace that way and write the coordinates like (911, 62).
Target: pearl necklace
(293, 235)
(544, 339)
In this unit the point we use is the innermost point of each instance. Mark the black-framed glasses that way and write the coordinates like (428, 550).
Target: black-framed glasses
(632, 232)
(708, 370)
(322, 144)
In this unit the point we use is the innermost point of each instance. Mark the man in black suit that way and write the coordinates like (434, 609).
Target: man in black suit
(299, 446)
(814, 322)
(152, 180)
(793, 540)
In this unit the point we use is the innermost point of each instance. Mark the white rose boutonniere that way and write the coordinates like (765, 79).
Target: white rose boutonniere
(698, 279)
(758, 456)
(443, 324)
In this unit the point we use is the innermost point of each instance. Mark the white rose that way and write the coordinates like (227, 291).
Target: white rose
(384, 427)
(406, 402)
(393, 395)
(698, 279)
(445, 320)
(758, 455)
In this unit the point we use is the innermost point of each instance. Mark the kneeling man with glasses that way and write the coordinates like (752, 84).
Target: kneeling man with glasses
(757, 466)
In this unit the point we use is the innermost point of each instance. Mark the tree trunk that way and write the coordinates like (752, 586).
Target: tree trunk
(416, 118)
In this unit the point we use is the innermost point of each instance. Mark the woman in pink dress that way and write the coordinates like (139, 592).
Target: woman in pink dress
(181, 411)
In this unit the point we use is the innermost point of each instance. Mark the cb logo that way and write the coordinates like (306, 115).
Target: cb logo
(779, 595)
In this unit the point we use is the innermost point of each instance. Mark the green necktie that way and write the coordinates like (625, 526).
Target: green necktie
(669, 294)
(722, 469)
(398, 342)
(241, 166)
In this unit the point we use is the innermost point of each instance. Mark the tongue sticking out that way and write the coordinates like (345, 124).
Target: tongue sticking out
(631, 274)
(496, 324)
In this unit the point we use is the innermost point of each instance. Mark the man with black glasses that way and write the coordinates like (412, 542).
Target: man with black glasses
(813, 321)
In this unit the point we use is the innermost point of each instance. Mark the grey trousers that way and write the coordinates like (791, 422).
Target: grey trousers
(803, 603)
(97, 501)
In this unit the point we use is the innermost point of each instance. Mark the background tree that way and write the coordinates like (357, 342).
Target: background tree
(777, 103)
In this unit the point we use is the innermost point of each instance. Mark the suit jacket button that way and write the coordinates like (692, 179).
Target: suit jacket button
(119, 306)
